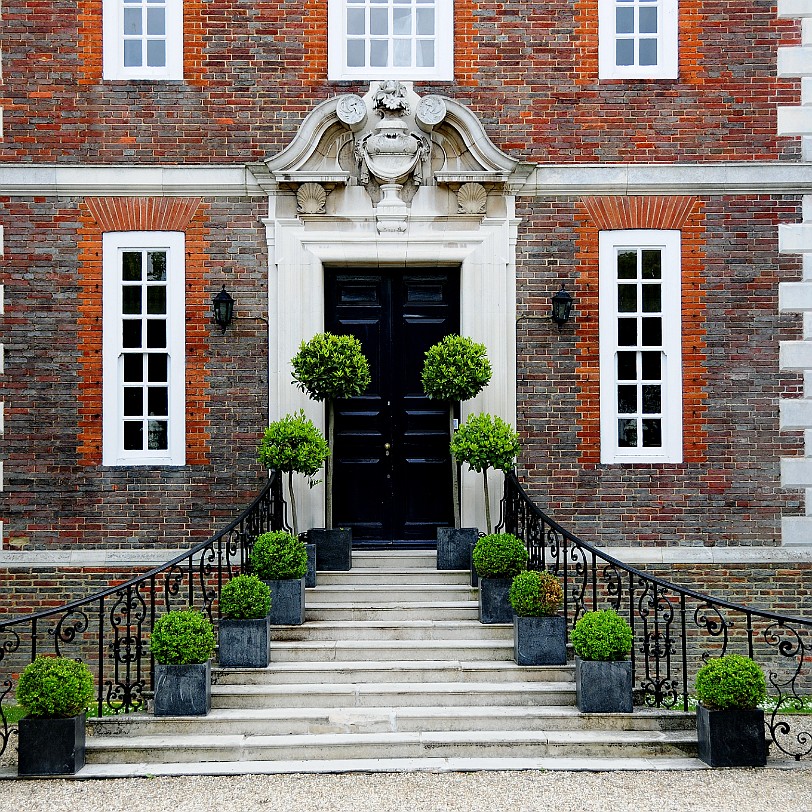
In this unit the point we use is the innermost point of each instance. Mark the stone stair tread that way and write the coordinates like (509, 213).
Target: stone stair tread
(399, 665)
(378, 765)
(393, 687)
(320, 645)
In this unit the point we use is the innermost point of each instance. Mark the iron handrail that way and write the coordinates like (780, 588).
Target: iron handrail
(676, 629)
(111, 627)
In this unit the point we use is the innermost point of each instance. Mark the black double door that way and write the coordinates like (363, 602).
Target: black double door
(392, 478)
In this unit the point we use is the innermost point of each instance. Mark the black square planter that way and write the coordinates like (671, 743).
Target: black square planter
(287, 602)
(540, 640)
(454, 547)
(50, 746)
(494, 604)
(310, 578)
(731, 738)
(333, 548)
(244, 643)
(182, 690)
(603, 686)
(474, 573)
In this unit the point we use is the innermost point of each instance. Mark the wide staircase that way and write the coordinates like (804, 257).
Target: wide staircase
(392, 671)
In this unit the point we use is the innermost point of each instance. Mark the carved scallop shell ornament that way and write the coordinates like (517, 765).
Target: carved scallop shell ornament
(311, 198)
(471, 198)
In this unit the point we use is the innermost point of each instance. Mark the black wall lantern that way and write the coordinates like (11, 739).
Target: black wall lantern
(562, 307)
(222, 308)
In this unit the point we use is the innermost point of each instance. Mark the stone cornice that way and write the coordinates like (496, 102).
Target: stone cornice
(553, 180)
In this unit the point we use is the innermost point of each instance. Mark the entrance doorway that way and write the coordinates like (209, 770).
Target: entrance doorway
(392, 475)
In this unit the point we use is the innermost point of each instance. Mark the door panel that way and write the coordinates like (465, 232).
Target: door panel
(392, 479)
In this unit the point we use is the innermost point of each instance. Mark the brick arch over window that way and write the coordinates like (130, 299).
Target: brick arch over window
(686, 214)
(100, 215)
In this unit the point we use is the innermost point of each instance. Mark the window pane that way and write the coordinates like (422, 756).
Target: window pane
(624, 52)
(133, 402)
(133, 435)
(626, 399)
(425, 53)
(627, 433)
(648, 51)
(402, 52)
(157, 435)
(651, 366)
(648, 20)
(131, 333)
(401, 22)
(652, 264)
(627, 332)
(157, 367)
(156, 53)
(378, 53)
(133, 367)
(131, 266)
(425, 22)
(652, 298)
(652, 433)
(355, 53)
(652, 332)
(627, 298)
(652, 399)
(624, 20)
(627, 265)
(132, 21)
(132, 53)
(379, 21)
(156, 300)
(627, 365)
(356, 21)
(156, 22)
(156, 333)
(131, 299)
(158, 401)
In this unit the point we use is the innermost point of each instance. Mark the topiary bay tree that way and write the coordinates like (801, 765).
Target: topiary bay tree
(455, 369)
(328, 368)
(485, 441)
(293, 444)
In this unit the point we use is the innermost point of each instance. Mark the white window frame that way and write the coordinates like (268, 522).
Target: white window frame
(113, 244)
(670, 242)
(113, 44)
(337, 69)
(668, 51)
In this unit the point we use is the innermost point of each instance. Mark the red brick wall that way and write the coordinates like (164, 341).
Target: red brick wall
(529, 70)
(726, 492)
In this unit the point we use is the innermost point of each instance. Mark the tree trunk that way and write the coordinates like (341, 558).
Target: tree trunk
(293, 504)
(455, 477)
(487, 501)
(328, 469)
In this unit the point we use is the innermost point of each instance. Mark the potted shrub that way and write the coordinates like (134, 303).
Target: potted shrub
(182, 643)
(603, 675)
(244, 634)
(729, 723)
(280, 559)
(539, 634)
(497, 558)
(55, 693)
(294, 445)
(456, 369)
(484, 442)
(327, 368)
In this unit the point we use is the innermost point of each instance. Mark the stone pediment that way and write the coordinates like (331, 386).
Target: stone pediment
(391, 142)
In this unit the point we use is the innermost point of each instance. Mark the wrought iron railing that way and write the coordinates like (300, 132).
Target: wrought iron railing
(675, 629)
(110, 630)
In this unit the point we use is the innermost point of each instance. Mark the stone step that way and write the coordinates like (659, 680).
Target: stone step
(287, 721)
(414, 671)
(386, 560)
(359, 650)
(393, 630)
(389, 595)
(406, 611)
(387, 694)
(445, 744)
(364, 576)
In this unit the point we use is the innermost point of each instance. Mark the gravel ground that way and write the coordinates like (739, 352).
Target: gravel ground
(700, 791)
